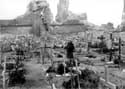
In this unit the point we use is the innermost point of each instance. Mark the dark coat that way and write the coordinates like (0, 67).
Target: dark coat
(69, 50)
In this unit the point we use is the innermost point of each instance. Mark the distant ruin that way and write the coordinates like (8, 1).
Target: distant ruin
(123, 17)
(62, 10)
(32, 18)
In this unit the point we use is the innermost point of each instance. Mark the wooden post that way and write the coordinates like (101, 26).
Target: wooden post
(1, 54)
(53, 86)
(106, 71)
(119, 48)
(4, 74)
(106, 74)
(64, 64)
(45, 46)
(76, 61)
(111, 43)
(119, 57)
(45, 34)
(87, 41)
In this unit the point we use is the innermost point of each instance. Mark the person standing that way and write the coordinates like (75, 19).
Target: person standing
(69, 50)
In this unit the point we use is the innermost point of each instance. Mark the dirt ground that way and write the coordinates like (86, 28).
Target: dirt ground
(35, 76)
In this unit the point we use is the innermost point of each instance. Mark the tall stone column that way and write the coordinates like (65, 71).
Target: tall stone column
(62, 10)
(123, 17)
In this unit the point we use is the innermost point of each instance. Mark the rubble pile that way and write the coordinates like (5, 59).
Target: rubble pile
(88, 79)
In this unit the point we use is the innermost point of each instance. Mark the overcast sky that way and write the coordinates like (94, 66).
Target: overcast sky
(98, 11)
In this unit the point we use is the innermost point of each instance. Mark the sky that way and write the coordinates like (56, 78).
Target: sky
(98, 11)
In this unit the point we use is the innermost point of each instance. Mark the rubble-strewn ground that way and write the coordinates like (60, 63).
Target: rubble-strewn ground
(36, 78)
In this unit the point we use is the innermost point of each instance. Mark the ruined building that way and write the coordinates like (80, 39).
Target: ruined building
(33, 16)
(36, 10)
